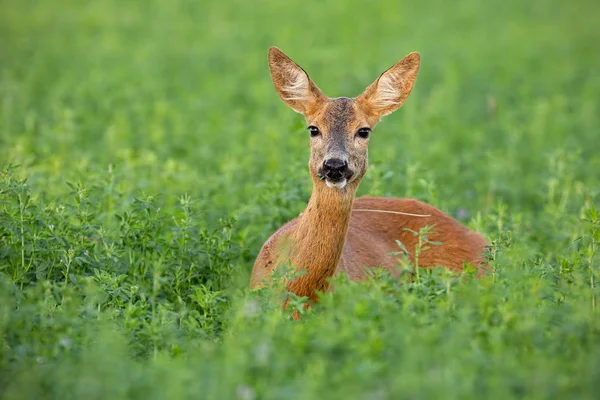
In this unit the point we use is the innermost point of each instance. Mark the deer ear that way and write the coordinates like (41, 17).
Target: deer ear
(389, 92)
(292, 83)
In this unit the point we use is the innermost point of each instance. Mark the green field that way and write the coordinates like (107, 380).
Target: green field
(145, 157)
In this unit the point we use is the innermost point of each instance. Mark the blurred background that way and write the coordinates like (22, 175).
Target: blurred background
(179, 93)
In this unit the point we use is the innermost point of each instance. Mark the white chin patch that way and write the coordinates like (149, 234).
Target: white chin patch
(336, 185)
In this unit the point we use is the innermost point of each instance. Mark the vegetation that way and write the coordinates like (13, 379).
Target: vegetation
(145, 157)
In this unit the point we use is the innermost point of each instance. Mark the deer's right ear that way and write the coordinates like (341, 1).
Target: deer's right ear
(292, 83)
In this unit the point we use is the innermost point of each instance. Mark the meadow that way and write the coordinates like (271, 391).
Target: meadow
(145, 157)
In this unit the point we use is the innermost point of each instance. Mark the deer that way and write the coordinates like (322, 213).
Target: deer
(336, 232)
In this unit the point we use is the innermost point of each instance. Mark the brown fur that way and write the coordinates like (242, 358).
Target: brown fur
(329, 236)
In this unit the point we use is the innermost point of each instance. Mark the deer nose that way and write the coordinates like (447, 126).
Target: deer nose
(335, 169)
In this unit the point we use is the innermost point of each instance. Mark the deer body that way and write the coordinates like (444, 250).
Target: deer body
(335, 232)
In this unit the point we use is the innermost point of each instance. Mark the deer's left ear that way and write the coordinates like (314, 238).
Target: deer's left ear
(389, 92)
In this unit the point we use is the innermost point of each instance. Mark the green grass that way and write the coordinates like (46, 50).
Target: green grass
(145, 157)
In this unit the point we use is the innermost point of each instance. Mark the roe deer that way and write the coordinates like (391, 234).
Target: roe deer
(334, 233)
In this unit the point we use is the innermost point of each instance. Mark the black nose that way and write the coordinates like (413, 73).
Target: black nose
(335, 169)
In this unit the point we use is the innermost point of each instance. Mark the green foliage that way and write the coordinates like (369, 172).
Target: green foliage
(145, 158)
(156, 274)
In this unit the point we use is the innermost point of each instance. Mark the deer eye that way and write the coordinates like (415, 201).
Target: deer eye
(314, 131)
(364, 133)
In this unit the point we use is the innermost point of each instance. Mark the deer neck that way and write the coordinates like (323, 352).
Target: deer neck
(319, 237)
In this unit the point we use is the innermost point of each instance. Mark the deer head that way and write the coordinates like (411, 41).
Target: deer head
(340, 127)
